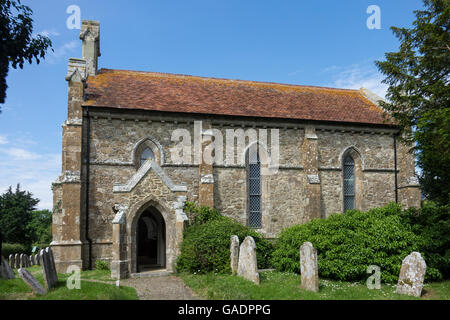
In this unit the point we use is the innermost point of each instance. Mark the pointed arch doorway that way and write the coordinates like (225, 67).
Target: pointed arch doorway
(150, 241)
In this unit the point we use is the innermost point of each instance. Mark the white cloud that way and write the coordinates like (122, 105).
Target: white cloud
(3, 140)
(20, 154)
(49, 33)
(65, 48)
(62, 51)
(357, 76)
(34, 171)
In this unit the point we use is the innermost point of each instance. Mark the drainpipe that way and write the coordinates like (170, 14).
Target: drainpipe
(86, 198)
(395, 167)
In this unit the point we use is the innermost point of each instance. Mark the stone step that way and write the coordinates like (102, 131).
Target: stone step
(153, 273)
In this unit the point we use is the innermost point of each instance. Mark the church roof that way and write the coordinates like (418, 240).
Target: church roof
(191, 94)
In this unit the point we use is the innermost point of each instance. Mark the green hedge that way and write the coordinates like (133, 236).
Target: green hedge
(206, 244)
(348, 243)
(13, 248)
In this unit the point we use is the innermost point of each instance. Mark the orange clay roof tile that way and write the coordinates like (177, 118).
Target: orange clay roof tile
(191, 94)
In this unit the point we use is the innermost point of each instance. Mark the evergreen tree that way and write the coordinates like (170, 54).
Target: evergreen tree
(419, 94)
(15, 216)
(41, 227)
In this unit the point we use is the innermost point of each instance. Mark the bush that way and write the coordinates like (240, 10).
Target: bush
(206, 244)
(348, 243)
(200, 214)
(13, 248)
(432, 224)
(101, 265)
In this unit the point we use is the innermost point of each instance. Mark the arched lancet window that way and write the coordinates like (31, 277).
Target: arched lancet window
(349, 183)
(254, 188)
(146, 154)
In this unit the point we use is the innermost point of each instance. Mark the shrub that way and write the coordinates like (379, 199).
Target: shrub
(13, 248)
(206, 244)
(348, 243)
(200, 214)
(101, 265)
(432, 224)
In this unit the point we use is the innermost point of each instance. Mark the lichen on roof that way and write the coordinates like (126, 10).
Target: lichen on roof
(194, 94)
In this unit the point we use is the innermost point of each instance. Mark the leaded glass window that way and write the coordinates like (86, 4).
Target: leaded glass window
(146, 155)
(349, 183)
(254, 189)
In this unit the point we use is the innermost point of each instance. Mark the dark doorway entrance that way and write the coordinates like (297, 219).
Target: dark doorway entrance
(151, 241)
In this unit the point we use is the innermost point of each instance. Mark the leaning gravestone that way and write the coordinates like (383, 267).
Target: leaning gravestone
(412, 274)
(17, 259)
(5, 270)
(308, 267)
(48, 268)
(248, 265)
(12, 261)
(234, 254)
(31, 281)
(52, 263)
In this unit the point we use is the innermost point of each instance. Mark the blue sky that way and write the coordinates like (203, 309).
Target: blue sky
(323, 43)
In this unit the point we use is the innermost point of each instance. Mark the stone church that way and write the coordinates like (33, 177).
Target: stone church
(122, 189)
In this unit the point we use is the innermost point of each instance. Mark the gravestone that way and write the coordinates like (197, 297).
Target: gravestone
(17, 260)
(308, 267)
(23, 261)
(31, 260)
(412, 274)
(31, 281)
(248, 265)
(12, 261)
(234, 253)
(36, 259)
(52, 264)
(5, 270)
(48, 268)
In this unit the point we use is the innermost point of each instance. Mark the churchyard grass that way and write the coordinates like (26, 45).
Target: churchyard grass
(16, 289)
(103, 275)
(286, 286)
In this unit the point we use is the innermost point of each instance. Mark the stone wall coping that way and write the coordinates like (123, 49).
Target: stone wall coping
(73, 122)
(120, 217)
(313, 179)
(66, 243)
(68, 176)
(207, 179)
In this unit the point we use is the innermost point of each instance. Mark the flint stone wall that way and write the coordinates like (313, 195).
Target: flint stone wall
(284, 200)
